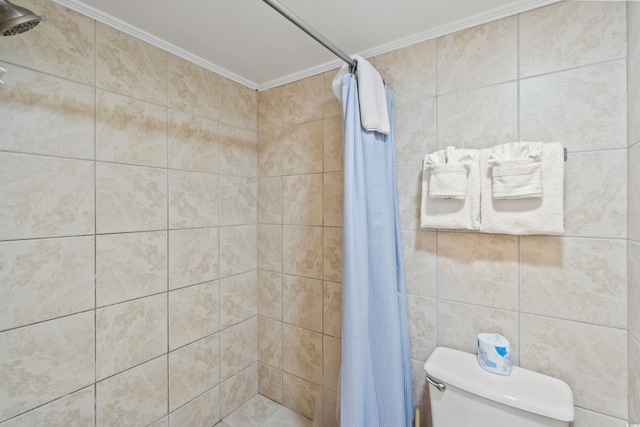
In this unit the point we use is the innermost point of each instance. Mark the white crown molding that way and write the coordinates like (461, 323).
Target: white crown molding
(510, 9)
(116, 23)
(461, 24)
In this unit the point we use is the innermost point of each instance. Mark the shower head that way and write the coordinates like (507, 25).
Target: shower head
(15, 19)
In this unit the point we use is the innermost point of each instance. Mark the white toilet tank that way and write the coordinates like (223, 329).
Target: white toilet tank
(476, 398)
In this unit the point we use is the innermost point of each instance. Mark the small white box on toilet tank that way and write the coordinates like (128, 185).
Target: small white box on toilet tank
(476, 398)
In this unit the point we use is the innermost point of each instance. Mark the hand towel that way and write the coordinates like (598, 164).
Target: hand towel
(463, 214)
(516, 170)
(448, 169)
(543, 215)
(374, 115)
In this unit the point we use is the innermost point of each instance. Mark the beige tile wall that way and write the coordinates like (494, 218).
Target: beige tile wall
(128, 282)
(126, 161)
(557, 73)
(633, 207)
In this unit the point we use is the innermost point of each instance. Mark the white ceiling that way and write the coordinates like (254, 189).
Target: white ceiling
(252, 44)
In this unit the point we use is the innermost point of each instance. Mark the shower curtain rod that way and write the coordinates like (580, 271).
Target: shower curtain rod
(299, 22)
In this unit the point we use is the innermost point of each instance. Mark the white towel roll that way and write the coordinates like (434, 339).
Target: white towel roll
(494, 353)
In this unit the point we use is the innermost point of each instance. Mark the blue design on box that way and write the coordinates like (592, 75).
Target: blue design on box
(502, 351)
(490, 364)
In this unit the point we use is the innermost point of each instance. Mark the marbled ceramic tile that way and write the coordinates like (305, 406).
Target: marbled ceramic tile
(45, 197)
(573, 352)
(238, 151)
(478, 269)
(135, 397)
(238, 200)
(238, 249)
(596, 210)
(238, 104)
(333, 199)
(302, 148)
(270, 247)
(301, 200)
(490, 50)
(162, 422)
(193, 142)
(193, 89)
(633, 194)
(193, 369)
(239, 345)
(44, 279)
(302, 101)
(633, 291)
(332, 254)
(74, 410)
(302, 353)
(584, 108)
(633, 74)
(130, 131)
(302, 302)
(238, 389)
(576, 279)
(130, 266)
(302, 254)
(130, 198)
(63, 45)
(570, 34)
(270, 382)
(130, 333)
(460, 324)
(410, 71)
(634, 380)
(252, 413)
(270, 108)
(193, 256)
(420, 389)
(331, 105)
(286, 416)
(193, 313)
(270, 200)
(270, 151)
(270, 341)
(420, 262)
(331, 362)
(585, 418)
(422, 326)
(130, 66)
(299, 395)
(43, 114)
(238, 298)
(270, 294)
(333, 144)
(332, 309)
(409, 196)
(633, 28)
(479, 118)
(42, 362)
(194, 199)
(201, 411)
(415, 131)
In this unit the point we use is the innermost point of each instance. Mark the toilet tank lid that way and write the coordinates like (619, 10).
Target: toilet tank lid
(523, 389)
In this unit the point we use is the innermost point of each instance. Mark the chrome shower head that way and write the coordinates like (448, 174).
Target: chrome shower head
(15, 19)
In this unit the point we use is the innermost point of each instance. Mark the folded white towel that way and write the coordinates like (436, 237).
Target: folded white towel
(516, 170)
(374, 115)
(543, 215)
(448, 169)
(452, 213)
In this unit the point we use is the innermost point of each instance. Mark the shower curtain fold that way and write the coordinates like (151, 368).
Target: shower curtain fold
(376, 369)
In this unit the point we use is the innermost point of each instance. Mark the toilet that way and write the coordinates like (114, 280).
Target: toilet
(463, 394)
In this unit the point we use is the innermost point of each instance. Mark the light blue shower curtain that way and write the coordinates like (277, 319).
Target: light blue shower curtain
(376, 369)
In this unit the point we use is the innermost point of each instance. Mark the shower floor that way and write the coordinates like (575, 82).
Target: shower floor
(262, 412)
